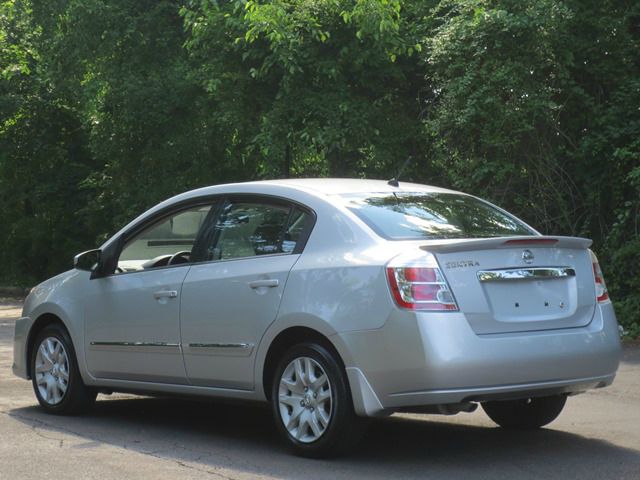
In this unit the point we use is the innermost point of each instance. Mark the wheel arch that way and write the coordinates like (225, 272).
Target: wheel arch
(284, 340)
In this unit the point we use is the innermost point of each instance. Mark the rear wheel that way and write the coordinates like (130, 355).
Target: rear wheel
(527, 413)
(55, 376)
(312, 403)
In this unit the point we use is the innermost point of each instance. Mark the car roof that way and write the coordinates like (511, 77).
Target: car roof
(336, 186)
(317, 187)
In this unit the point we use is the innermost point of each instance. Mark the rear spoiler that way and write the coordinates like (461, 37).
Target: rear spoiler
(467, 244)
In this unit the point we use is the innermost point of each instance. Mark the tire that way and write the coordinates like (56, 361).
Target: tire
(528, 413)
(318, 422)
(55, 376)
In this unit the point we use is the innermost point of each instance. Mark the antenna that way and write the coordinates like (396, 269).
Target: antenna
(394, 181)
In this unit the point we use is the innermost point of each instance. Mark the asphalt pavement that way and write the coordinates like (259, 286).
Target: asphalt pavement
(128, 437)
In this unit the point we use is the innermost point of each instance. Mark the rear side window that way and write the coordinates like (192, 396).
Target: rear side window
(407, 216)
(249, 229)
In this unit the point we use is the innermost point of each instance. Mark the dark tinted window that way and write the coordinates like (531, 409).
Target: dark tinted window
(432, 215)
(248, 229)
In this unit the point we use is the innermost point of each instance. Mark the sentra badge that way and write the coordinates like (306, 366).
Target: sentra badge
(462, 264)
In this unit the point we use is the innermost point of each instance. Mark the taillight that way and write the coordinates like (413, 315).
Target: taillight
(417, 283)
(602, 294)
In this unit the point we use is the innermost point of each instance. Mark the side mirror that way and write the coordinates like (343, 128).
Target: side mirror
(87, 261)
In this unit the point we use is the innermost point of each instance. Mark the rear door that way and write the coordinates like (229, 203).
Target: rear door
(230, 299)
(520, 284)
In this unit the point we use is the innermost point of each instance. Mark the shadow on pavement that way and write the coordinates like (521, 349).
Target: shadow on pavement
(214, 436)
(631, 352)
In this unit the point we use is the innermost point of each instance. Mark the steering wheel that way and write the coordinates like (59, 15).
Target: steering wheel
(179, 257)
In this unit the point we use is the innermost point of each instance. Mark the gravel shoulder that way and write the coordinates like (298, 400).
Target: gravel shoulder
(597, 436)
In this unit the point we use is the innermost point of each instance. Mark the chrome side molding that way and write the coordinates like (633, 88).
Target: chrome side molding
(139, 347)
(134, 344)
(536, 273)
(223, 349)
(220, 345)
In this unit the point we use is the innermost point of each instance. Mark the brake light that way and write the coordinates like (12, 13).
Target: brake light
(417, 283)
(602, 294)
(531, 241)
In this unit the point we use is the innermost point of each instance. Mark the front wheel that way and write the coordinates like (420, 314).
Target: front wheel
(312, 403)
(528, 413)
(55, 376)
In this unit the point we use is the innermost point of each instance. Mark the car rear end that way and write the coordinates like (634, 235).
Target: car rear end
(513, 315)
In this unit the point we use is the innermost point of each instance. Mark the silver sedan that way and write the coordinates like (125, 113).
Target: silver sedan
(334, 300)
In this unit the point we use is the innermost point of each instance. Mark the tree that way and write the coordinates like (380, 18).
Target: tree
(324, 87)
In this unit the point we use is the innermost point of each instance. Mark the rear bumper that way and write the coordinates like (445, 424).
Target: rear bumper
(499, 392)
(431, 359)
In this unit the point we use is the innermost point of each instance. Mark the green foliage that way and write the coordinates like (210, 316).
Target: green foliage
(107, 107)
(328, 80)
(499, 69)
(536, 107)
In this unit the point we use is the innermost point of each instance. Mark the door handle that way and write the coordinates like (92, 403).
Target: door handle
(268, 282)
(165, 294)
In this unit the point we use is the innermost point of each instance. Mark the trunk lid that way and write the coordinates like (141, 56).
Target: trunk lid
(516, 284)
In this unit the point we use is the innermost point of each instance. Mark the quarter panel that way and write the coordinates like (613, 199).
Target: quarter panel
(349, 297)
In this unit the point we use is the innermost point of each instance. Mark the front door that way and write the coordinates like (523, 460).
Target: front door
(132, 329)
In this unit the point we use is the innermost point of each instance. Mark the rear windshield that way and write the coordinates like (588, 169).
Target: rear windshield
(406, 216)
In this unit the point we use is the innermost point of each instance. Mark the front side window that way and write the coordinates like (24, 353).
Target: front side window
(408, 216)
(166, 242)
(249, 229)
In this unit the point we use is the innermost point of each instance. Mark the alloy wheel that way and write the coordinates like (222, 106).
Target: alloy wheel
(305, 399)
(52, 370)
